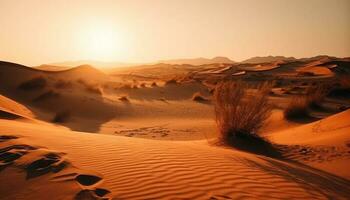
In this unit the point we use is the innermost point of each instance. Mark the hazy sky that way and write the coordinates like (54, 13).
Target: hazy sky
(44, 31)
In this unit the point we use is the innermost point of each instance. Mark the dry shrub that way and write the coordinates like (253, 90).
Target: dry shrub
(198, 97)
(238, 115)
(143, 85)
(33, 84)
(61, 117)
(316, 94)
(342, 88)
(297, 108)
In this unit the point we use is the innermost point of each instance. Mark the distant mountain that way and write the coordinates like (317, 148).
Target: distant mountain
(319, 57)
(197, 61)
(267, 59)
(93, 63)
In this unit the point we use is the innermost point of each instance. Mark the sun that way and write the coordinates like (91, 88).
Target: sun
(101, 41)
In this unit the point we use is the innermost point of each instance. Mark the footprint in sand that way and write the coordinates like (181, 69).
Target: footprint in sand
(47, 162)
(152, 131)
(89, 192)
(51, 162)
(11, 153)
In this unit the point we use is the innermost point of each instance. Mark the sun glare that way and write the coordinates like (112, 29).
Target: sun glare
(102, 42)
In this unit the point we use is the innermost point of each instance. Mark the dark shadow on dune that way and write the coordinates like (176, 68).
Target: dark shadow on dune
(66, 109)
(304, 119)
(48, 93)
(7, 115)
(308, 178)
(256, 145)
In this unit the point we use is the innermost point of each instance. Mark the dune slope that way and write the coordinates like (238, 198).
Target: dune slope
(134, 168)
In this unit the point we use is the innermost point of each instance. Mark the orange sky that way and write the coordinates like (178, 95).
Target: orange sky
(33, 32)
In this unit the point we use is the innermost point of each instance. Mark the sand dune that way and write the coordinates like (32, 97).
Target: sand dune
(149, 169)
(140, 133)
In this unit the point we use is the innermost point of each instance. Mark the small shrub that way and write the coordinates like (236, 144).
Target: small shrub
(198, 97)
(238, 115)
(342, 88)
(297, 108)
(61, 117)
(316, 94)
(33, 84)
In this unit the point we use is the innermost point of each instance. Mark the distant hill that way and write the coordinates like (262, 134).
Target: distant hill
(98, 64)
(267, 59)
(197, 61)
(52, 67)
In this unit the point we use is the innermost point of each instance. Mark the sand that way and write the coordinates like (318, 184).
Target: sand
(158, 143)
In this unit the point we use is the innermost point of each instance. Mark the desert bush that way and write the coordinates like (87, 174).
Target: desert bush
(47, 95)
(297, 108)
(33, 84)
(238, 115)
(61, 117)
(198, 97)
(316, 94)
(143, 85)
(342, 88)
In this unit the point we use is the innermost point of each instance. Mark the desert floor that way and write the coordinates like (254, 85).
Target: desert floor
(140, 133)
